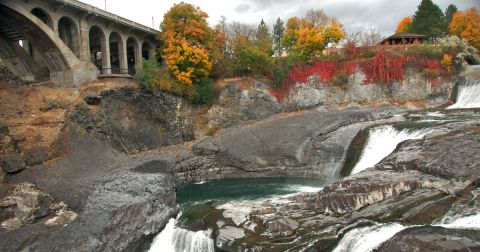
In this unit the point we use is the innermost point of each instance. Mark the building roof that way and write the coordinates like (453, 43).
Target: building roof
(404, 35)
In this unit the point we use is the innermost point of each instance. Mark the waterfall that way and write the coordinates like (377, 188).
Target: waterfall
(174, 239)
(381, 142)
(468, 95)
(367, 239)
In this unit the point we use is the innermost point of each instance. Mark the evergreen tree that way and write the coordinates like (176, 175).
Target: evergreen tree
(263, 39)
(451, 9)
(429, 20)
(278, 31)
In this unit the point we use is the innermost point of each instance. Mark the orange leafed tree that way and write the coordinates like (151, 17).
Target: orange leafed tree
(466, 24)
(403, 25)
(189, 43)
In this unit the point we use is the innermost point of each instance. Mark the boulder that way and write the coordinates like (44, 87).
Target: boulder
(282, 227)
(12, 163)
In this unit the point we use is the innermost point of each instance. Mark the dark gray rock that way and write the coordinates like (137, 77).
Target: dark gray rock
(433, 239)
(36, 155)
(444, 156)
(12, 163)
(133, 120)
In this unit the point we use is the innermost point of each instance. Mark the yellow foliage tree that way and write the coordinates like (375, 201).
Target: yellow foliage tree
(309, 42)
(333, 33)
(403, 25)
(188, 41)
(187, 63)
(466, 24)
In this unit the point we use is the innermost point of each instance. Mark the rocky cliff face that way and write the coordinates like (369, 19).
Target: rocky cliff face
(240, 103)
(133, 120)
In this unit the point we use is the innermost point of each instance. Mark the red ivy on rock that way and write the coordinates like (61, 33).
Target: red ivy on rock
(382, 69)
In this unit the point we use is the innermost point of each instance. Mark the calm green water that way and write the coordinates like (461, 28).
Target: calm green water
(241, 189)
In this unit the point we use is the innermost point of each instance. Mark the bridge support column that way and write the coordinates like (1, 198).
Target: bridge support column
(151, 54)
(122, 50)
(106, 64)
(84, 45)
(138, 57)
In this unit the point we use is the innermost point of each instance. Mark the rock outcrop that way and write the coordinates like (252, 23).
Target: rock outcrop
(134, 120)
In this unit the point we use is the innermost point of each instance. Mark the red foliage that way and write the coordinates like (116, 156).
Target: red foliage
(431, 70)
(279, 94)
(326, 70)
(382, 69)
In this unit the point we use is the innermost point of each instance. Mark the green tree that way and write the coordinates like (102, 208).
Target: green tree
(429, 20)
(451, 9)
(278, 31)
(263, 39)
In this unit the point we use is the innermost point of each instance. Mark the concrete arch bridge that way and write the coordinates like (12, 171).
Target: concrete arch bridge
(68, 42)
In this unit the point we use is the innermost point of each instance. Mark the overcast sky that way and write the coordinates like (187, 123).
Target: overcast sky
(356, 15)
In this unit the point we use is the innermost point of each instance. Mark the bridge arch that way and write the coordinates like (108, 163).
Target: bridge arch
(147, 50)
(97, 42)
(118, 59)
(49, 50)
(134, 58)
(68, 33)
(43, 15)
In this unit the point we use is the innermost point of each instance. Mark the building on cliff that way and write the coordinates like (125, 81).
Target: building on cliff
(404, 38)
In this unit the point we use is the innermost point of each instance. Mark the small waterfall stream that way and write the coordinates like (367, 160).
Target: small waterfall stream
(468, 95)
(367, 239)
(381, 142)
(174, 239)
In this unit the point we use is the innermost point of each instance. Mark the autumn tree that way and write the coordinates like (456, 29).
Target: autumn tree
(317, 18)
(451, 9)
(370, 37)
(333, 33)
(188, 41)
(291, 33)
(466, 25)
(428, 20)
(278, 31)
(403, 25)
(308, 36)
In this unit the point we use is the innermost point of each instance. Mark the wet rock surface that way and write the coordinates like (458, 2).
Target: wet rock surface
(433, 239)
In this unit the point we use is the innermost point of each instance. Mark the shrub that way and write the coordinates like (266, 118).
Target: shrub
(204, 92)
(147, 74)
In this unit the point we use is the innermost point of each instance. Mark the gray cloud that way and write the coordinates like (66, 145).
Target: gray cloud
(356, 15)
(242, 8)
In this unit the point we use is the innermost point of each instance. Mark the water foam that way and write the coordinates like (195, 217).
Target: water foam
(381, 142)
(174, 239)
(468, 96)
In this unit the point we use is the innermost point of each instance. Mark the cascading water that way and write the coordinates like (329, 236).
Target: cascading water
(381, 142)
(468, 95)
(174, 239)
(367, 239)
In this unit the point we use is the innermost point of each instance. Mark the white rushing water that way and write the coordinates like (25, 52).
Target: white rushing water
(381, 142)
(468, 96)
(174, 239)
(367, 239)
